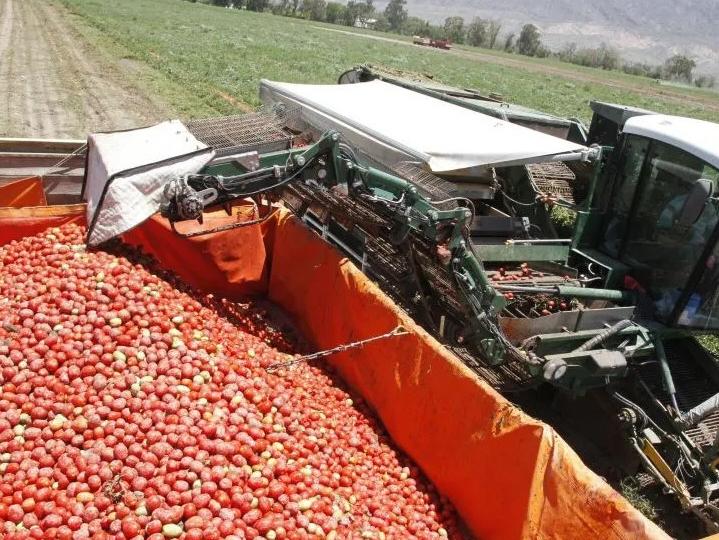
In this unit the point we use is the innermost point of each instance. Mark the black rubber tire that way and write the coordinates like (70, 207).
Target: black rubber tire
(351, 76)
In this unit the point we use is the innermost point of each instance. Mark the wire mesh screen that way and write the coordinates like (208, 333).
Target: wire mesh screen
(432, 186)
(263, 131)
(553, 178)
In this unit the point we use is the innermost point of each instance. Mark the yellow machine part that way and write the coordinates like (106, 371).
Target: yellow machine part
(665, 470)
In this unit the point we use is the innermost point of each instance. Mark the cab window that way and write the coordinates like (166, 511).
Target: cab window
(635, 151)
(701, 310)
(661, 252)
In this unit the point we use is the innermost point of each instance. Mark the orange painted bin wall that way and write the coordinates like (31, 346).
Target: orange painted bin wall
(508, 475)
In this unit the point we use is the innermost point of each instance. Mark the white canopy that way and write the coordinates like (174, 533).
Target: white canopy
(697, 137)
(127, 171)
(392, 123)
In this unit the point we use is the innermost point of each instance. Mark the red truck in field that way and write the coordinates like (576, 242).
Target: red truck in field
(430, 42)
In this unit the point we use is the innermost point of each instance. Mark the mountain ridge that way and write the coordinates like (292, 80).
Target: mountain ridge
(641, 30)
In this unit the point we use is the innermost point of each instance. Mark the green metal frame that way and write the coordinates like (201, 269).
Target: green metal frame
(418, 215)
(521, 252)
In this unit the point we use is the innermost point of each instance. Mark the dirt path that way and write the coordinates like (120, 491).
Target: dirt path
(567, 73)
(52, 84)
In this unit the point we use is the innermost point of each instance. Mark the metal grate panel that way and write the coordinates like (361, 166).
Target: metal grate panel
(263, 131)
(704, 434)
(508, 377)
(433, 187)
(554, 179)
(693, 387)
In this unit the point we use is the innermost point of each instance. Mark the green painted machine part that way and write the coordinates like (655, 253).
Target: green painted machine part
(601, 310)
(518, 253)
(407, 215)
(567, 291)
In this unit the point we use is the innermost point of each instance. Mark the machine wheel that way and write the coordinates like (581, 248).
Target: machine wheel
(351, 76)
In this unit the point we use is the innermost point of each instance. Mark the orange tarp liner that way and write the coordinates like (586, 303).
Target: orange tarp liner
(23, 192)
(508, 475)
(16, 223)
(229, 264)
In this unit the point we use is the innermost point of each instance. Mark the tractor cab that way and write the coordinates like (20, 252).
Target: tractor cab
(654, 215)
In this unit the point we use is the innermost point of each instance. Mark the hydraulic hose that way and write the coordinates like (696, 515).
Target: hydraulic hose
(601, 338)
(555, 369)
(568, 291)
(666, 373)
(704, 409)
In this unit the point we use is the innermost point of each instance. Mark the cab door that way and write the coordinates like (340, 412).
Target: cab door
(643, 230)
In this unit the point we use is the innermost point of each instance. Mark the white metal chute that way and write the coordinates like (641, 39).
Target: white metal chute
(396, 124)
(127, 171)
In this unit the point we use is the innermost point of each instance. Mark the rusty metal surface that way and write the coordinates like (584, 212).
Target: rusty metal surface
(263, 131)
(432, 186)
(554, 179)
(52, 146)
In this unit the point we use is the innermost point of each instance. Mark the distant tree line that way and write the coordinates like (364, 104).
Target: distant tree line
(679, 67)
(478, 33)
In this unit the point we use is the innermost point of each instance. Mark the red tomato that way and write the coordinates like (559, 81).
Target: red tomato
(130, 402)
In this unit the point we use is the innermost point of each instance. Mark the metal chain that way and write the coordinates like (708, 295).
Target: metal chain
(397, 331)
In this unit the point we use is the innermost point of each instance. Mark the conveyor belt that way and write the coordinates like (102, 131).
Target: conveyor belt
(365, 223)
(262, 131)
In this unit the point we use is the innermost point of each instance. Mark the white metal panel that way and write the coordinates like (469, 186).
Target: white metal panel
(698, 137)
(381, 117)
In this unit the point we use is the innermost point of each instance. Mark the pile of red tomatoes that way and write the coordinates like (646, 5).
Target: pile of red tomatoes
(133, 407)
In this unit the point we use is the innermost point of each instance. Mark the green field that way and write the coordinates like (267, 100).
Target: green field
(207, 60)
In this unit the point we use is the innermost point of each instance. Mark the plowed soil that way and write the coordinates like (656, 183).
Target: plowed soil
(55, 85)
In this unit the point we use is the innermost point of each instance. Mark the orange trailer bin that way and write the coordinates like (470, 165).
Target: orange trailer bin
(509, 475)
